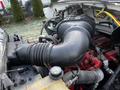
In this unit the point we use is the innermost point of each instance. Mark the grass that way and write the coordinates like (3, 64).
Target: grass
(30, 30)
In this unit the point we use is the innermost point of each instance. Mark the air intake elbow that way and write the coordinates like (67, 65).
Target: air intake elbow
(75, 36)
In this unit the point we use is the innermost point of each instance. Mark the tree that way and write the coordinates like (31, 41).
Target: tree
(17, 11)
(37, 8)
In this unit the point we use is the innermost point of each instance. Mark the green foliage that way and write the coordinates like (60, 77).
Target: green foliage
(17, 11)
(37, 8)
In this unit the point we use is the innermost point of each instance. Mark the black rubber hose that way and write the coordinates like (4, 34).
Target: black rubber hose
(85, 77)
(75, 36)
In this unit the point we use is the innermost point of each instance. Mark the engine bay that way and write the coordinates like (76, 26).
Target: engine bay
(81, 51)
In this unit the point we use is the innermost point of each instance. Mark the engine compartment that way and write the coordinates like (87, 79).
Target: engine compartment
(79, 49)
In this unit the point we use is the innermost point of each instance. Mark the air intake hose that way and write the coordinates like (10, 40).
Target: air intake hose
(75, 38)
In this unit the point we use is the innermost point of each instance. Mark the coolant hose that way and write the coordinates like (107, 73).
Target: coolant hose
(75, 38)
(85, 77)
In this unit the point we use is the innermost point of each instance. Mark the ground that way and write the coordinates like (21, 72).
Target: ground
(30, 29)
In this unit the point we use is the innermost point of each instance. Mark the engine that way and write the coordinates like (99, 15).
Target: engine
(77, 54)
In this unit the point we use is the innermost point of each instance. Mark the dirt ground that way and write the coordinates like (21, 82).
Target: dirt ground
(30, 29)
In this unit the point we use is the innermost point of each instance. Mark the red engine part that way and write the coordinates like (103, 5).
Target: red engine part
(102, 42)
(73, 88)
(111, 55)
(90, 62)
(105, 43)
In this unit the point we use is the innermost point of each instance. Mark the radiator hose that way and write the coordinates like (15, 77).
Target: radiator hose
(75, 38)
(85, 77)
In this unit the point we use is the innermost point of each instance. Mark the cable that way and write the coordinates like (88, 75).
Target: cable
(113, 17)
(100, 12)
(45, 25)
(110, 15)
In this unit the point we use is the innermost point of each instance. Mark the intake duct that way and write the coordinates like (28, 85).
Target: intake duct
(75, 35)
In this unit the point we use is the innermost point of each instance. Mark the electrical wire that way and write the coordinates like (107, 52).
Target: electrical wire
(110, 15)
(46, 23)
(113, 17)
(100, 12)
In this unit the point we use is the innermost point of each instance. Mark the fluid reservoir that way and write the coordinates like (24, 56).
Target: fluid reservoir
(48, 84)
(56, 73)
(51, 82)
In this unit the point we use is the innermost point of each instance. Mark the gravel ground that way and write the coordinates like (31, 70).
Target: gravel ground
(30, 30)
